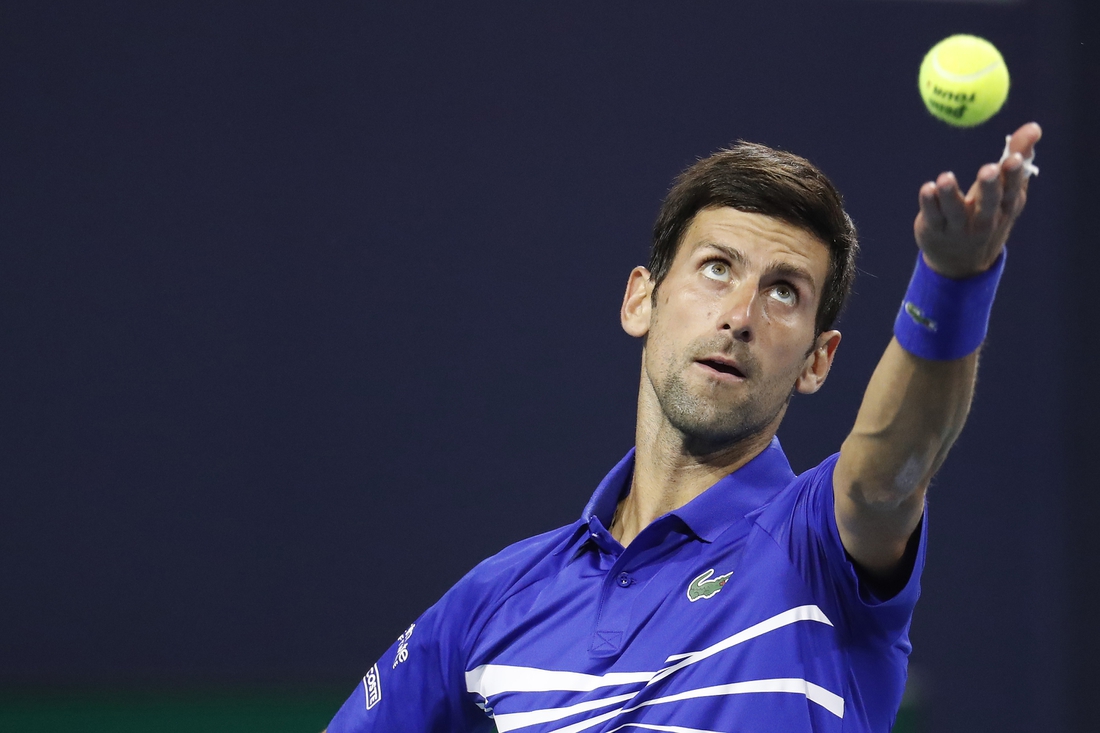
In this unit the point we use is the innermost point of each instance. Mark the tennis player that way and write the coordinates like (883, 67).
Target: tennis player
(705, 587)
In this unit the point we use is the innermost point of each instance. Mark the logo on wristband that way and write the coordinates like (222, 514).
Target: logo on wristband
(918, 316)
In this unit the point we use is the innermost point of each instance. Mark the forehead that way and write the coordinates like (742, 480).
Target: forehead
(757, 237)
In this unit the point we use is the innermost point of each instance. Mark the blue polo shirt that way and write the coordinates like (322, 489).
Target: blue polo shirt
(740, 611)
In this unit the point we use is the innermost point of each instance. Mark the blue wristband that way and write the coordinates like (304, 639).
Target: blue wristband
(944, 319)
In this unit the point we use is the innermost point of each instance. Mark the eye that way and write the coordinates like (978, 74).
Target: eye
(785, 294)
(717, 270)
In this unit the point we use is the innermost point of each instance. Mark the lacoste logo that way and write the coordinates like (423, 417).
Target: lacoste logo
(372, 685)
(705, 587)
(403, 646)
(918, 316)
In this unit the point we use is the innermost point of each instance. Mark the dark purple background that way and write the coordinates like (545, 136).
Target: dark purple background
(306, 309)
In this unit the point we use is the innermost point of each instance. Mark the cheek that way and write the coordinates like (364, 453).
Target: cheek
(789, 352)
(675, 310)
(668, 341)
(661, 342)
(692, 307)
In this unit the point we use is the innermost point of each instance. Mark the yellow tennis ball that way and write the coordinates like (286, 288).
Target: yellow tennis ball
(963, 80)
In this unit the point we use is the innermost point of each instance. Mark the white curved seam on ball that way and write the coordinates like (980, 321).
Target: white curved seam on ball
(962, 77)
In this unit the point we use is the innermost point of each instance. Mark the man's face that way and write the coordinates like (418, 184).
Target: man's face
(732, 331)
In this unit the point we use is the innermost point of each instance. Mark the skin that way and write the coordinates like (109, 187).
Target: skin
(744, 288)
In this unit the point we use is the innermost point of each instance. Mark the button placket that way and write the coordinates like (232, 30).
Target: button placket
(613, 618)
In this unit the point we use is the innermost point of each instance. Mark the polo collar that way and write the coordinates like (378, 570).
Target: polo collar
(709, 514)
(738, 494)
(615, 485)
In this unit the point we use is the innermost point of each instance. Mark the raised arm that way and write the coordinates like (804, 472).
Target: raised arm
(915, 407)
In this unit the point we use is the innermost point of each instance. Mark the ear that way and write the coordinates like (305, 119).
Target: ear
(818, 363)
(637, 309)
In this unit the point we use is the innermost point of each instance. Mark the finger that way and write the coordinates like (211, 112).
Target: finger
(951, 200)
(1015, 182)
(930, 206)
(1024, 139)
(986, 194)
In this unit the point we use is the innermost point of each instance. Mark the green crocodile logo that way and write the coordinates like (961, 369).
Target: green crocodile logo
(918, 316)
(705, 587)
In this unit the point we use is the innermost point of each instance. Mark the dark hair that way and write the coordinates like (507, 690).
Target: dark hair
(758, 179)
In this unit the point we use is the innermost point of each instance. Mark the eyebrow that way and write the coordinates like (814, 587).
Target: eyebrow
(734, 254)
(793, 272)
(782, 269)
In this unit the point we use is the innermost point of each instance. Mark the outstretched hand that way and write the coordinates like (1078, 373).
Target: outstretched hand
(962, 235)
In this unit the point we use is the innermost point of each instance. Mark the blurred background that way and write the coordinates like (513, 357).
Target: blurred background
(308, 307)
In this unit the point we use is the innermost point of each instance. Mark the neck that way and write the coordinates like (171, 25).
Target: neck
(670, 470)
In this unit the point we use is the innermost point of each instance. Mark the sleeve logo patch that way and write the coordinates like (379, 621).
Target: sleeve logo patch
(403, 646)
(372, 685)
(706, 587)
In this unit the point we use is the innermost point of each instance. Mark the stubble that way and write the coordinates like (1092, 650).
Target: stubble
(712, 416)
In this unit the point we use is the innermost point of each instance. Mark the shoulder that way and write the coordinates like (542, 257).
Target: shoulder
(801, 520)
(515, 559)
(453, 624)
(807, 501)
(494, 579)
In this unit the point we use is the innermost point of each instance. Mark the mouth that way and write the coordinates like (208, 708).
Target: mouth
(721, 366)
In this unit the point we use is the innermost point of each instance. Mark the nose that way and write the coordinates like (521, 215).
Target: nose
(739, 312)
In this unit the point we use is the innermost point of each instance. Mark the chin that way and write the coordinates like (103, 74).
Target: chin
(706, 436)
(708, 424)
(707, 430)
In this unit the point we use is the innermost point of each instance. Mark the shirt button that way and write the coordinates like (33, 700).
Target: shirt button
(625, 580)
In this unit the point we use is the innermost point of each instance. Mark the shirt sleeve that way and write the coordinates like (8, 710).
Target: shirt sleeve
(803, 519)
(418, 686)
